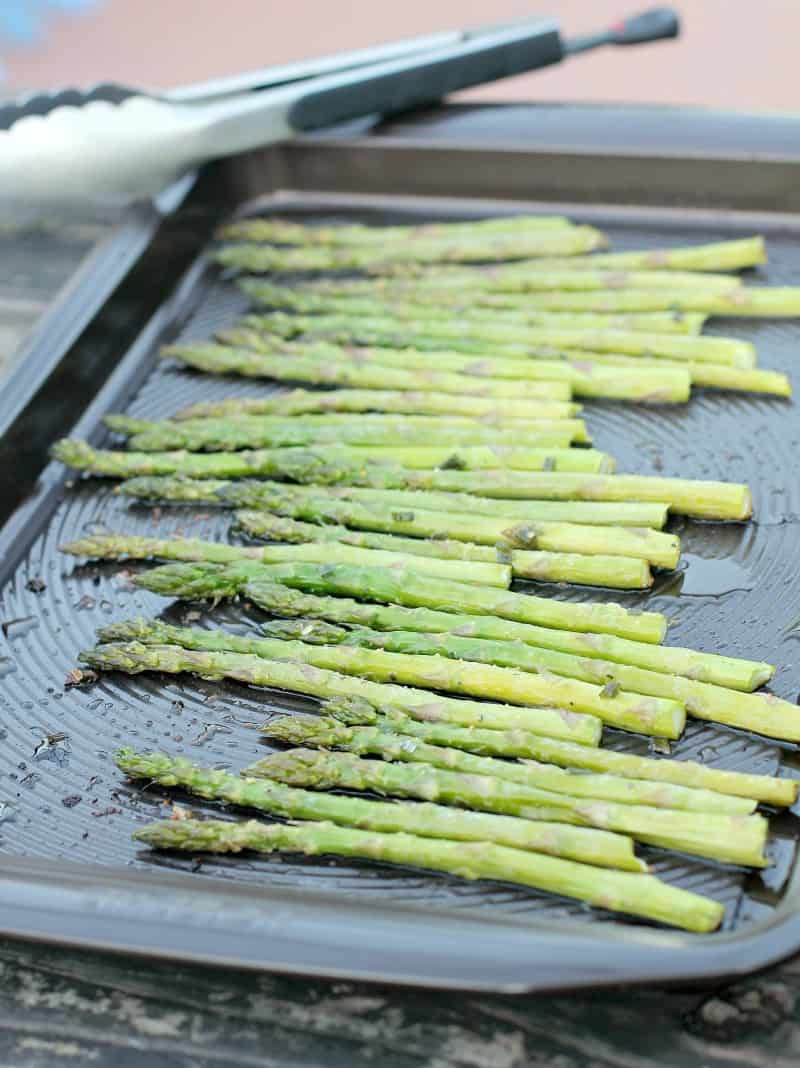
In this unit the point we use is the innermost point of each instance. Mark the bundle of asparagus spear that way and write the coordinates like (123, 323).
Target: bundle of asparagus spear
(387, 567)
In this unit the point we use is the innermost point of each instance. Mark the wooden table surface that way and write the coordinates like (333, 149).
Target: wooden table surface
(68, 1007)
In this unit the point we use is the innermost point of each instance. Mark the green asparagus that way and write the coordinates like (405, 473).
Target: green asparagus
(325, 733)
(722, 671)
(630, 711)
(585, 513)
(604, 848)
(135, 657)
(239, 430)
(487, 340)
(563, 241)
(639, 895)
(121, 546)
(717, 256)
(734, 839)
(487, 742)
(761, 713)
(407, 588)
(525, 399)
(289, 232)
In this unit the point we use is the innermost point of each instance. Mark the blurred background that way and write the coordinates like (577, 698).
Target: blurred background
(733, 53)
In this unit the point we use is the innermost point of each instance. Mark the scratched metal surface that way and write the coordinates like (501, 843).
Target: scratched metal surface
(737, 593)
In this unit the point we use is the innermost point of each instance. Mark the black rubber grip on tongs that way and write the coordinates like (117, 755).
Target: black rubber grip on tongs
(416, 81)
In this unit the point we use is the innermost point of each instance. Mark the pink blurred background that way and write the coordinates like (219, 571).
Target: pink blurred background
(733, 53)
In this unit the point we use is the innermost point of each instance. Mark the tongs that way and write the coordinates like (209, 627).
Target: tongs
(114, 144)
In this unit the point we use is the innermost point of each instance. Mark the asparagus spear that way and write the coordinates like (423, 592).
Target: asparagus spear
(280, 462)
(325, 733)
(432, 301)
(646, 896)
(466, 337)
(245, 432)
(121, 546)
(603, 848)
(591, 513)
(289, 232)
(717, 256)
(700, 499)
(764, 714)
(735, 839)
(706, 375)
(135, 657)
(635, 712)
(304, 401)
(237, 431)
(722, 671)
(411, 296)
(406, 588)
(526, 400)
(773, 791)
(563, 241)
(583, 374)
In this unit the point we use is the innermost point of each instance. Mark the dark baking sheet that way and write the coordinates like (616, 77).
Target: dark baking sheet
(65, 803)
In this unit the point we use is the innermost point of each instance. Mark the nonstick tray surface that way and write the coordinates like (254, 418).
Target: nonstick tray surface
(738, 592)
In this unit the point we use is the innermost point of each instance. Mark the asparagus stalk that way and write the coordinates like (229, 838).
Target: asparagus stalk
(325, 733)
(584, 375)
(734, 839)
(717, 256)
(237, 431)
(281, 462)
(721, 671)
(288, 232)
(635, 712)
(466, 337)
(121, 546)
(591, 513)
(391, 296)
(406, 588)
(413, 296)
(646, 896)
(764, 714)
(696, 498)
(525, 400)
(563, 241)
(305, 402)
(766, 788)
(603, 848)
(706, 375)
(302, 678)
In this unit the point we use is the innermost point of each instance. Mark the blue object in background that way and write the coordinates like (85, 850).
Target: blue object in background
(23, 21)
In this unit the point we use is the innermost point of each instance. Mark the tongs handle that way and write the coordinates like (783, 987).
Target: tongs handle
(414, 81)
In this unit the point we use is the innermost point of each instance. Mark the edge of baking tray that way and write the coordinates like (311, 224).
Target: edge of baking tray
(211, 920)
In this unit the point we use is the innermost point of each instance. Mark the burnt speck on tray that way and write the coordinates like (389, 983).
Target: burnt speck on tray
(85, 602)
(178, 706)
(208, 732)
(52, 746)
(36, 584)
(71, 800)
(80, 677)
